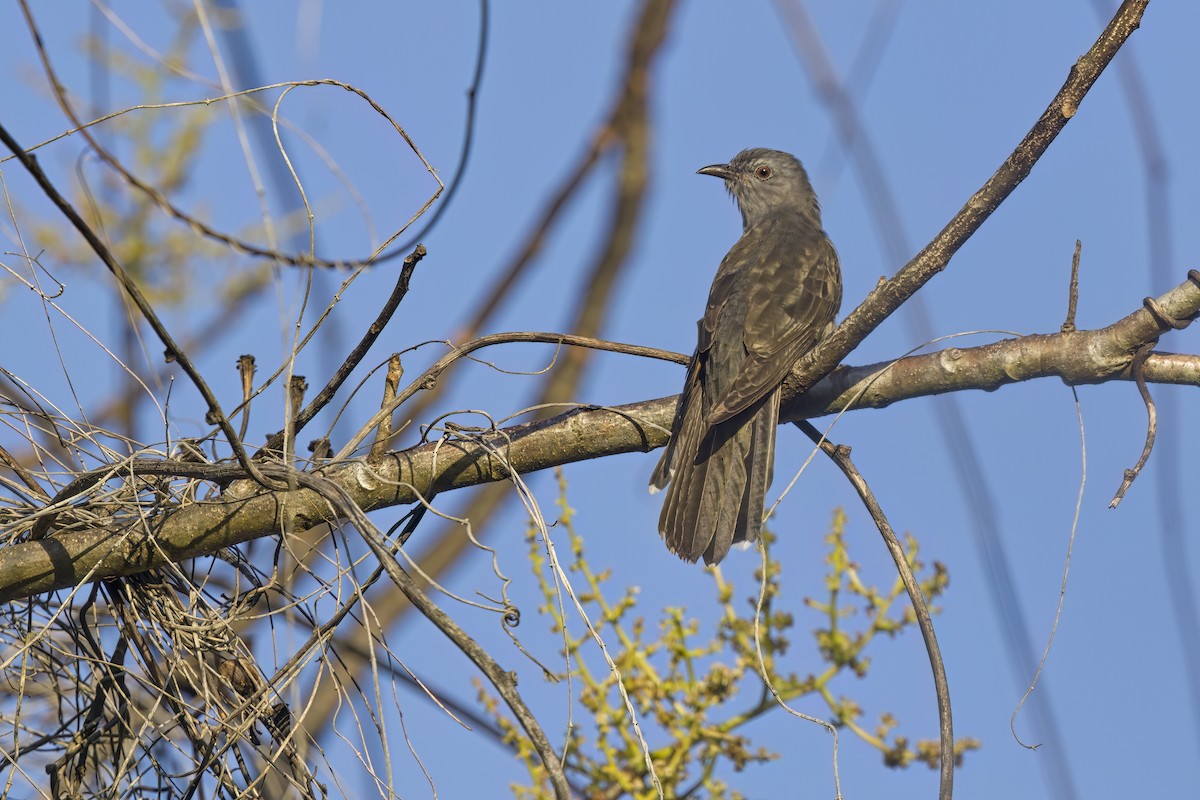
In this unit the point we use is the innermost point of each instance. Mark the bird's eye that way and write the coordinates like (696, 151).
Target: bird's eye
(763, 172)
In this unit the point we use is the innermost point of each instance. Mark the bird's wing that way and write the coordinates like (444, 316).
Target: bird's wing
(706, 376)
(792, 291)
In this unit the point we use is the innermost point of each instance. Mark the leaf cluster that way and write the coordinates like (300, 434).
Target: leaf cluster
(697, 692)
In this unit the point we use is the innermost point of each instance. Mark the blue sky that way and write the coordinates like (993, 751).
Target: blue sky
(956, 87)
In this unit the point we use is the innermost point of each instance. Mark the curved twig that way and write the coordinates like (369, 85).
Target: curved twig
(1062, 589)
(1139, 375)
(840, 455)
(431, 375)
(200, 227)
(464, 155)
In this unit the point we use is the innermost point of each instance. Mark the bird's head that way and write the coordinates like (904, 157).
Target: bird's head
(763, 181)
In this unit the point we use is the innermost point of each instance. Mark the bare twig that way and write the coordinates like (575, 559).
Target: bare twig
(464, 155)
(769, 684)
(1062, 589)
(21, 472)
(1139, 362)
(200, 227)
(297, 386)
(395, 371)
(1167, 318)
(1068, 325)
(246, 369)
(840, 455)
(352, 360)
(432, 375)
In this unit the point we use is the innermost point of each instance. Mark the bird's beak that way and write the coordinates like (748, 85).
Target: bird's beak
(722, 171)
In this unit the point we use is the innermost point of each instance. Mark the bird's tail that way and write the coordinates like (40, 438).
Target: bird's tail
(718, 479)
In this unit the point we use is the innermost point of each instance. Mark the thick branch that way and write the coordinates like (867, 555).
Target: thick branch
(1077, 357)
(68, 558)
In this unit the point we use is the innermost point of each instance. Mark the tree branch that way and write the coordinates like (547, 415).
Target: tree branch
(889, 295)
(1077, 357)
(68, 558)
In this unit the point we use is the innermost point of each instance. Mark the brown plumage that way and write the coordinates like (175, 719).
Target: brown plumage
(775, 295)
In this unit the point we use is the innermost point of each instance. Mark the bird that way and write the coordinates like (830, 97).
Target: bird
(774, 297)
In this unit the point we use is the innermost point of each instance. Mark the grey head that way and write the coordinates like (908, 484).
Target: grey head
(765, 181)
